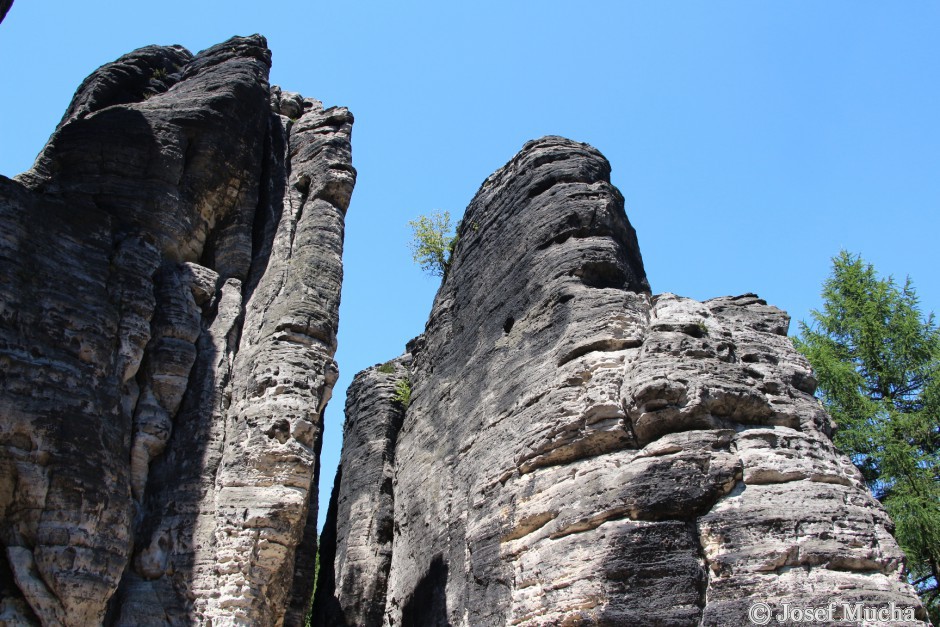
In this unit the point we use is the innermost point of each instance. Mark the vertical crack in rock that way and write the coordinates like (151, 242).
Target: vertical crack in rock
(170, 355)
(578, 451)
(326, 609)
(167, 332)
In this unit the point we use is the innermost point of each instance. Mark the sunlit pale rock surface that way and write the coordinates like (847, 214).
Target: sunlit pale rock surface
(578, 451)
(170, 274)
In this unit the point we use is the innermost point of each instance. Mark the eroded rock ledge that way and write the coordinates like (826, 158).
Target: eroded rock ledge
(578, 451)
(169, 292)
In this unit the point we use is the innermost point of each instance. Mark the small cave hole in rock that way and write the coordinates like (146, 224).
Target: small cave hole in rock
(507, 326)
(280, 430)
(302, 185)
(602, 274)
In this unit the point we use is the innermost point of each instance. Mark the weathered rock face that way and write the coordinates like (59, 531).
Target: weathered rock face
(578, 451)
(170, 274)
(361, 519)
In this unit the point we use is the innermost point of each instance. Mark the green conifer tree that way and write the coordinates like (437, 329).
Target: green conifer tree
(877, 360)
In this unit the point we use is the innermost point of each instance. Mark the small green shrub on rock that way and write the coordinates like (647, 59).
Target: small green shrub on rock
(403, 392)
(433, 242)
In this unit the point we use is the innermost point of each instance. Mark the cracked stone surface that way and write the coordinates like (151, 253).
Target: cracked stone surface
(170, 274)
(578, 451)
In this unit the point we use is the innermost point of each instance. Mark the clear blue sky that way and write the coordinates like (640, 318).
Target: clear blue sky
(752, 140)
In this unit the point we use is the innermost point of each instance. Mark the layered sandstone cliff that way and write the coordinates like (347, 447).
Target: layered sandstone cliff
(170, 276)
(578, 451)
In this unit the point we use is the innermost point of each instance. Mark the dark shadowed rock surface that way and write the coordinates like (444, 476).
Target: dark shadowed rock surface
(170, 274)
(4, 7)
(362, 518)
(578, 451)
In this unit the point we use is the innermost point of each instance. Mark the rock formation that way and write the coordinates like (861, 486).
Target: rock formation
(4, 7)
(170, 275)
(366, 508)
(560, 447)
(578, 451)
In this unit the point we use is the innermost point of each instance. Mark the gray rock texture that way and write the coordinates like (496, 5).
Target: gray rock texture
(170, 274)
(578, 451)
(361, 520)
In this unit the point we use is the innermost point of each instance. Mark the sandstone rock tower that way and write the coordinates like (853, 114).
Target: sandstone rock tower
(578, 451)
(170, 276)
